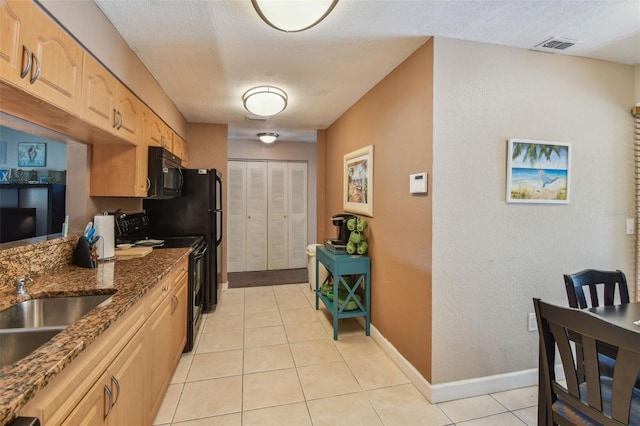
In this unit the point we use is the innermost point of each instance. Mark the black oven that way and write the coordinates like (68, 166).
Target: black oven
(133, 229)
(198, 261)
(165, 176)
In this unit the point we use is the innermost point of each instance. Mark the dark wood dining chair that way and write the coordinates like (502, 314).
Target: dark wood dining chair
(599, 399)
(592, 279)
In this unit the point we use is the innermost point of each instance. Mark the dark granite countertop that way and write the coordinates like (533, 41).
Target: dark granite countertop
(128, 280)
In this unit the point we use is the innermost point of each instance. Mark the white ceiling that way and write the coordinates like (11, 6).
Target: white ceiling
(206, 53)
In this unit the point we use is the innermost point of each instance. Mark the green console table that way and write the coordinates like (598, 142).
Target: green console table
(340, 266)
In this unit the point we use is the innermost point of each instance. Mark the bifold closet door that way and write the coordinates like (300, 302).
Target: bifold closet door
(266, 215)
(297, 215)
(247, 216)
(278, 244)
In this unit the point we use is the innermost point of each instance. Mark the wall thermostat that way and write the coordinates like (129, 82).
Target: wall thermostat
(418, 183)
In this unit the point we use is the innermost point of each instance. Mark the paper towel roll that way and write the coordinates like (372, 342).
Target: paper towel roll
(104, 225)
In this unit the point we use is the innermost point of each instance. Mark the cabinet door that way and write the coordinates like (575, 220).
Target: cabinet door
(158, 354)
(113, 170)
(236, 216)
(98, 95)
(180, 149)
(14, 17)
(297, 215)
(179, 320)
(94, 407)
(126, 378)
(58, 61)
(277, 209)
(130, 112)
(159, 133)
(142, 170)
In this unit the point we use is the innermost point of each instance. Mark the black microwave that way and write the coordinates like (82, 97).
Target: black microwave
(165, 176)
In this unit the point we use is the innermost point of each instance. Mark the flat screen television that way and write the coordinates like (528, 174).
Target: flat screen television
(17, 223)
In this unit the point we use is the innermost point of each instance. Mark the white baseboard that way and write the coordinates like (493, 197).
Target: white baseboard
(225, 286)
(458, 389)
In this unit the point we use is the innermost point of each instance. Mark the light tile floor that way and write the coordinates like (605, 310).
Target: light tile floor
(267, 357)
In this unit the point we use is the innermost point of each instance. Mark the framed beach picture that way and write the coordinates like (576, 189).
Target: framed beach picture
(32, 154)
(358, 182)
(538, 171)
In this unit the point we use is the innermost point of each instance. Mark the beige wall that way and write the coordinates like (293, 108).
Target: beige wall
(396, 118)
(285, 151)
(637, 71)
(491, 258)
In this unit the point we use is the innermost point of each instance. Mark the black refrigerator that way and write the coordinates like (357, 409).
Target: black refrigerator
(197, 212)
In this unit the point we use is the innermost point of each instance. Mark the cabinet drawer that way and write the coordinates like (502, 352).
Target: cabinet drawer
(159, 293)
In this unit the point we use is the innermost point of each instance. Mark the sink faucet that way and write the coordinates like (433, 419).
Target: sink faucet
(20, 282)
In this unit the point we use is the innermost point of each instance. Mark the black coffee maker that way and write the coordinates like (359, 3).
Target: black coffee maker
(340, 222)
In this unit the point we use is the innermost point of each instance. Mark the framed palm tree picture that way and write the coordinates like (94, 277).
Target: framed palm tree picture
(358, 182)
(538, 171)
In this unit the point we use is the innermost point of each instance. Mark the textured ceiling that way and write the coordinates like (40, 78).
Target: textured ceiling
(206, 54)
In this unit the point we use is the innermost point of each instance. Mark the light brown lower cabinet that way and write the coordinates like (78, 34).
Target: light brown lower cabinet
(116, 398)
(122, 377)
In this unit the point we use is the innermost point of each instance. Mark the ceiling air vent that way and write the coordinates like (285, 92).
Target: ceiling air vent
(555, 44)
(256, 118)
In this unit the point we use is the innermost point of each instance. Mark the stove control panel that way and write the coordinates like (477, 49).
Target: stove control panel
(131, 224)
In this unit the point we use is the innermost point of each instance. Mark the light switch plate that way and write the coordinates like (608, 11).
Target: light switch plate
(418, 183)
(631, 226)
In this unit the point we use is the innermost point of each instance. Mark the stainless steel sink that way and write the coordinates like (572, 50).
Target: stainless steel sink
(27, 325)
(16, 344)
(48, 312)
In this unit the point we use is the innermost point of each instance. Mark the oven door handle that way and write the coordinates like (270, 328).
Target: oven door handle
(201, 252)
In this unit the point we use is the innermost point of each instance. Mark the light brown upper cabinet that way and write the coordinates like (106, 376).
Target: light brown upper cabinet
(181, 149)
(129, 115)
(39, 56)
(14, 17)
(98, 95)
(159, 133)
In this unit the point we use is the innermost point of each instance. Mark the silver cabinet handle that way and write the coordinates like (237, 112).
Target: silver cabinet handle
(117, 384)
(115, 118)
(174, 304)
(119, 120)
(27, 67)
(148, 184)
(107, 407)
(37, 73)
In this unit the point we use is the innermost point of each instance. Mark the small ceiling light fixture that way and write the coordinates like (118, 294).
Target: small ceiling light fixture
(268, 137)
(265, 101)
(293, 16)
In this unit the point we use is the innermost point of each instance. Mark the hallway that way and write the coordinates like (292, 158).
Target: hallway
(266, 357)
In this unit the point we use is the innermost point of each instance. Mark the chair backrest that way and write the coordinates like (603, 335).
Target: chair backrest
(599, 398)
(591, 278)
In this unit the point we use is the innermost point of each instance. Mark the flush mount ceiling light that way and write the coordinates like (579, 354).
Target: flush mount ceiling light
(268, 137)
(293, 16)
(265, 101)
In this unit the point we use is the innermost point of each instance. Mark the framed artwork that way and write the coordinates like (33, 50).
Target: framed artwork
(358, 182)
(32, 154)
(538, 171)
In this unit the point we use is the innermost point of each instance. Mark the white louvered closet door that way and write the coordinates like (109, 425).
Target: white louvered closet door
(277, 210)
(266, 215)
(297, 217)
(256, 241)
(236, 216)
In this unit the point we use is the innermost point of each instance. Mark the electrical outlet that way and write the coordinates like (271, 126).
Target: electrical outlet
(533, 323)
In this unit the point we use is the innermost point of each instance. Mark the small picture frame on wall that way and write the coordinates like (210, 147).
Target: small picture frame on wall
(358, 182)
(538, 171)
(32, 154)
